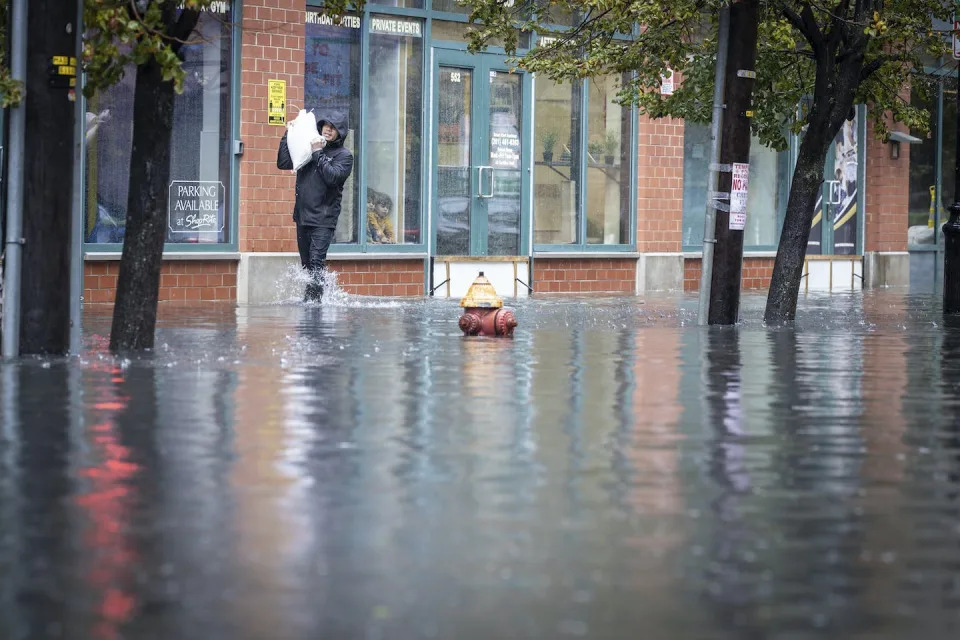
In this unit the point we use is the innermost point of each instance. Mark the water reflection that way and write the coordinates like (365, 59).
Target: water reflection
(365, 471)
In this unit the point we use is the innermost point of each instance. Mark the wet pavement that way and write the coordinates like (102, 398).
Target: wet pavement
(360, 470)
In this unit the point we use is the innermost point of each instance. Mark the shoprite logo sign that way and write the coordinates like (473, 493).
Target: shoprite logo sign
(195, 206)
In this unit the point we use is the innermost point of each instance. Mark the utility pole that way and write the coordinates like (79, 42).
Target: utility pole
(734, 163)
(710, 217)
(48, 172)
(12, 249)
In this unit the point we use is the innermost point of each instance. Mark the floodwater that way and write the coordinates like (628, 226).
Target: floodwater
(360, 470)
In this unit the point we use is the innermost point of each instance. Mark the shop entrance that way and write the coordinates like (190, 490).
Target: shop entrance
(481, 123)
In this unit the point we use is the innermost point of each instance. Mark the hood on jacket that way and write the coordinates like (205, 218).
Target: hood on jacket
(339, 122)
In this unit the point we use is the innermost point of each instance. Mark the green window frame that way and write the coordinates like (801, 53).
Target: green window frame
(231, 154)
(363, 245)
(786, 161)
(582, 245)
(939, 74)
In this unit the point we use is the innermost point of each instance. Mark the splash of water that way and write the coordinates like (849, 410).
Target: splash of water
(290, 287)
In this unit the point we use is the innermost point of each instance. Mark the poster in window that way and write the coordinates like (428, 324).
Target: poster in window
(843, 196)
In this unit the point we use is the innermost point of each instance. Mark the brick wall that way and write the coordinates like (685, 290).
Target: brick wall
(582, 275)
(214, 281)
(756, 273)
(272, 49)
(380, 277)
(659, 185)
(887, 197)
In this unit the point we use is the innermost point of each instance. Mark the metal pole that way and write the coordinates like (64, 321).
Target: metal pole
(76, 214)
(10, 347)
(951, 230)
(710, 218)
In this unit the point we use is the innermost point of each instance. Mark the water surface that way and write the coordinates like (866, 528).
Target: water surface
(360, 470)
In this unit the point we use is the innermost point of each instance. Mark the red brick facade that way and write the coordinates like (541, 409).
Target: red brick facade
(272, 49)
(380, 277)
(887, 198)
(756, 273)
(659, 185)
(187, 280)
(585, 275)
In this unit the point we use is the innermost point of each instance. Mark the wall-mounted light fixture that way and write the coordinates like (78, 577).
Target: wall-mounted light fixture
(896, 137)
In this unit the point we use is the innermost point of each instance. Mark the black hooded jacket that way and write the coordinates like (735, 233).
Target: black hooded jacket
(320, 181)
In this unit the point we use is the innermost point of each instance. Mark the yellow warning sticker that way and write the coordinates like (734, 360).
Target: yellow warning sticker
(277, 102)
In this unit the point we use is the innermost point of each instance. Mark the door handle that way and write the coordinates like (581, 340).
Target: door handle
(480, 193)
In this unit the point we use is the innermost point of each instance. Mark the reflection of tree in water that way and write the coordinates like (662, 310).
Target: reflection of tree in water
(785, 534)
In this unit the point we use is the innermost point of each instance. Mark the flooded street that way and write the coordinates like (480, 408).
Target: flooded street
(360, 470)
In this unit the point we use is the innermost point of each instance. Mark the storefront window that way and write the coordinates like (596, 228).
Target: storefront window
(451, 6)
(199, 209)
(393, 205)
(948, 143)
(557, 161)
(923, 176)
(608, 164)
(332, 83)
(453, 31)
(763, 200)
(409, 4)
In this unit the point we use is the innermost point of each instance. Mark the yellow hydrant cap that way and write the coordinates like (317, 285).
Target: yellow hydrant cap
(481, 295)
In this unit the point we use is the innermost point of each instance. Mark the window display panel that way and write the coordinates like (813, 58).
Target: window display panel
(409, 4)
(948, 144)
(198, 208)
(923, 166)
(763, 198)
(393, 198)
(450, 6)
(557, 162)
(923, 161)
(608, 163)
(332, 83)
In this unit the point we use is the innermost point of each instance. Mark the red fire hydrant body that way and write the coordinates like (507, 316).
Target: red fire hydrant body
(484, 313)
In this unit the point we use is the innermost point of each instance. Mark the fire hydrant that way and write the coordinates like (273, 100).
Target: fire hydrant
(483, 312)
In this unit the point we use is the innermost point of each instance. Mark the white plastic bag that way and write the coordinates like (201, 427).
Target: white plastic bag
(300, 134)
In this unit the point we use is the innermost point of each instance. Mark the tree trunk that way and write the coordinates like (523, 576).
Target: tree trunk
(806, 185)
(138, 283)
(48, 166)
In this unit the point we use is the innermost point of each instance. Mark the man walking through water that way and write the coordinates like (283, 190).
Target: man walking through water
(319, 191)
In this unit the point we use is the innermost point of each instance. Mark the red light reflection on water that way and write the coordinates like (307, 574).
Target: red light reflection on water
(108, 504)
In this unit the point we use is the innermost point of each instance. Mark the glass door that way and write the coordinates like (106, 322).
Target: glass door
(479, 186)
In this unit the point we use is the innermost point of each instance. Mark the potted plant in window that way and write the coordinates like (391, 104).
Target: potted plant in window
(595, 150)
(611, 144)
(549, 139)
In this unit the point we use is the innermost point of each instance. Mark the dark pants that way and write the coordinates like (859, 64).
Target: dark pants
(313, 243)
